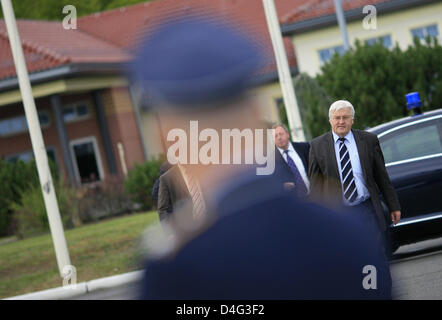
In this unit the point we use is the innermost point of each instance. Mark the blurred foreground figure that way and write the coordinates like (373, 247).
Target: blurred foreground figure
(257, 241)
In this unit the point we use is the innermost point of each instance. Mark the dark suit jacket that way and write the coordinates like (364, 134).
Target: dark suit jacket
(325, 182)
(156, 186)
(172, 193)
(282, 169)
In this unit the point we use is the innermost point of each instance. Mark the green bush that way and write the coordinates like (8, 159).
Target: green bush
(104, 200)
(30, 214)
(423, 63)
(313, 104)
(375, 80)
(140, 181)
(15, 179)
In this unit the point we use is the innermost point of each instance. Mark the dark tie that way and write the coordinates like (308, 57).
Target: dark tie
(348, 181)
(301, 188)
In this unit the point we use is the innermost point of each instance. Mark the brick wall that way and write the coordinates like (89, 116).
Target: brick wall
(123, 126)
(120, 117)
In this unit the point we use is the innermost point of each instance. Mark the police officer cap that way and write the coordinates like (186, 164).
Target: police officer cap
(194, 61)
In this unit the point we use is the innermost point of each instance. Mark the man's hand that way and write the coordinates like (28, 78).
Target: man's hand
(395, 216)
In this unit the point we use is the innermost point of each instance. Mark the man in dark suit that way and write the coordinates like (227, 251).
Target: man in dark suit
(178, 188)
(156, 186)
(291, 161)
(263, 243)
(346, 166)
(172, 193)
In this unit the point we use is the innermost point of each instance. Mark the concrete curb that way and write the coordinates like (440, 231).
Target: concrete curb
(61, 293)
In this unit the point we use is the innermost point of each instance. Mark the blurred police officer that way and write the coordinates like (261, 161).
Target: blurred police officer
(260, 242)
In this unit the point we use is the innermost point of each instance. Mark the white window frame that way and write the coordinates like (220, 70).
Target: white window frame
(25, 124)
(379, 38)
(49, 119)
(48, 148)
(75, 106)
(423, 41)
(328, 48)
(84, 140)
(13, 155)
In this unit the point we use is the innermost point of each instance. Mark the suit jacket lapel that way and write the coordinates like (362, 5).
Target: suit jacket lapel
(300, 154)
(362, 151)
(179, 179)
(330, 151)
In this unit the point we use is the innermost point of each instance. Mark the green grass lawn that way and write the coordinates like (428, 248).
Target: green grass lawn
(96, 250)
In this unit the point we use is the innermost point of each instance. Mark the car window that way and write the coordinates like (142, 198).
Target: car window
(412, 142)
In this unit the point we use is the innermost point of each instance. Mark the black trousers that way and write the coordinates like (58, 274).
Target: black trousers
(367, 214)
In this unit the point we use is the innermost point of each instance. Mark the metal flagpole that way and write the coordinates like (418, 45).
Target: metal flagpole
(44, 173)
(342, 25)
(285, 78)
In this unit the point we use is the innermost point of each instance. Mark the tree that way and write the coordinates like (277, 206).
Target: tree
(313, 104)
(424, 72)
(375, 79)
(52, 9)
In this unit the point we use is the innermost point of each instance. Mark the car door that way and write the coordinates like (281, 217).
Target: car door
(413, 158)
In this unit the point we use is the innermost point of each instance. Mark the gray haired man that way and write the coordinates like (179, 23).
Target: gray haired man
(346, 167)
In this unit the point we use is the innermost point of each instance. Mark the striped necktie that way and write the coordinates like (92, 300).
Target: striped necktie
(301, 188)
(348, 180)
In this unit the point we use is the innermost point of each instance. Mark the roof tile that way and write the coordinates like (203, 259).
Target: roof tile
(112, 36)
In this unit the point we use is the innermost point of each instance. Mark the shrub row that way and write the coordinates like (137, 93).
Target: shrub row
(22, 208)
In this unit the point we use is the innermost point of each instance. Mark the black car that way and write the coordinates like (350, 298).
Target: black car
(412, 149)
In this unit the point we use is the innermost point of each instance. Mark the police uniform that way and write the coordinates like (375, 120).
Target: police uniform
(265, 243)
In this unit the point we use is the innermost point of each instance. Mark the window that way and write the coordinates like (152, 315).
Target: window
(326, 54)
(82, 110)
(87, 160)
(68, 114)
(26, 156)
(76, 111)
(44, 118)
(385, 40)
(19, 124)
(428, 31)
(4, 128)
(412, 142)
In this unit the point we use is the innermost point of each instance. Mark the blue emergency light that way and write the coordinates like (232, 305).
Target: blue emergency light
(414, 102)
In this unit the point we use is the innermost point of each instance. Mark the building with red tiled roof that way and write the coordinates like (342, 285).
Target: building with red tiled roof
(124, 27)
(87, 107)
(81, 91)
(316, 36)
(322, 8)
(82, 100)
(111, 36)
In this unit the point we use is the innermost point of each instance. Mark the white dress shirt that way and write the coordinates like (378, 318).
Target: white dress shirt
(298, 162)
(358, 175)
